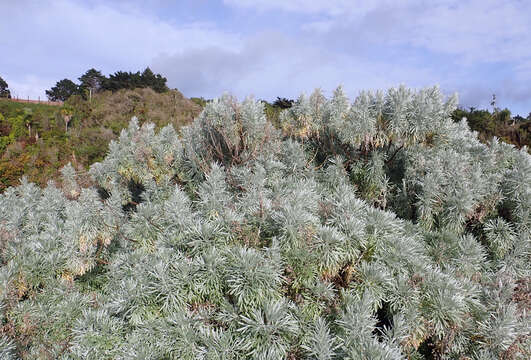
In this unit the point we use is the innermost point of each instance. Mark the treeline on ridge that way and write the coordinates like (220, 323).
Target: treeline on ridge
(93, 81)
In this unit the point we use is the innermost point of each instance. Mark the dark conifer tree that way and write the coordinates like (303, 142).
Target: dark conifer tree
(62, 90)
(4, 89)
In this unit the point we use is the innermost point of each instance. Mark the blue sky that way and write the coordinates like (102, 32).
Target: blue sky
(270, 48)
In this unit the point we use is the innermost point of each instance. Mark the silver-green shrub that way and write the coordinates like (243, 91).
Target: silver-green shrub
(371, 229)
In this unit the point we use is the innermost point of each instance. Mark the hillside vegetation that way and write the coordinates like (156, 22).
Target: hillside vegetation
(372, 229)
(37, 140)
(500, 123)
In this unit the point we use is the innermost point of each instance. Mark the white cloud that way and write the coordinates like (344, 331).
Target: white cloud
(476, 30)
(322, 7)
(321, 26)
(272, 64)
(486, 30)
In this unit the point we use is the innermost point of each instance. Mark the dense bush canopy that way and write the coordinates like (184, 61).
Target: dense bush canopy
(377, 229)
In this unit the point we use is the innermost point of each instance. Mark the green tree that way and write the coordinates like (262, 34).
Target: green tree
(4, 91)
(120, 80)
(502, 116)
(156, 82)
(62, 90)
(283, 103)
(91, 82)
(129, 80)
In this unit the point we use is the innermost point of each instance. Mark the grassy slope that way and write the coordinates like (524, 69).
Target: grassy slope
(93, 124)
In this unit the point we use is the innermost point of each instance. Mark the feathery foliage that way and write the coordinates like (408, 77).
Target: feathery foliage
(372, 229)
